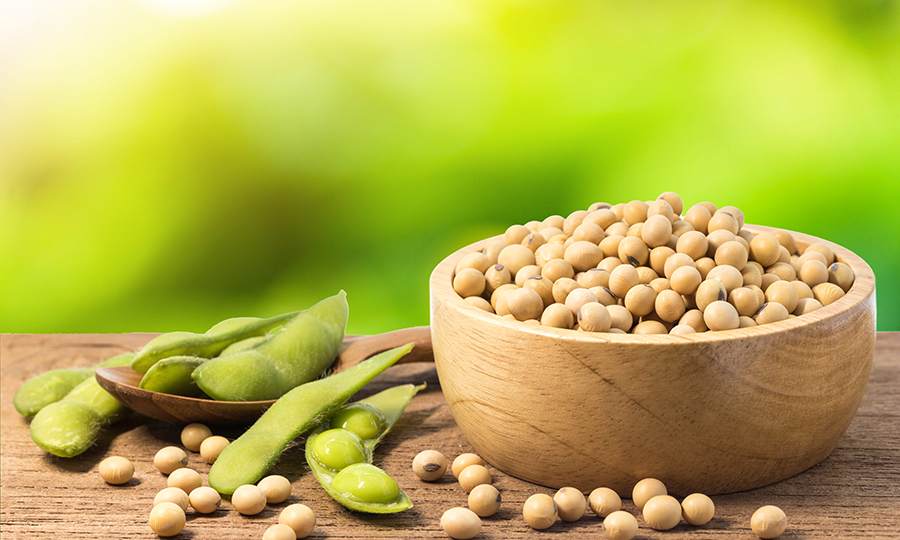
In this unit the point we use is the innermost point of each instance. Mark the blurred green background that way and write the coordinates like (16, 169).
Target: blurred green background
(166, 164)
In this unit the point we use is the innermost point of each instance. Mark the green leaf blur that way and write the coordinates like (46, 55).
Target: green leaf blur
(162, 171)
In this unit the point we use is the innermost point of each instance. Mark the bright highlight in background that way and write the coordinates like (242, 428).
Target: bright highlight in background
(163, 172)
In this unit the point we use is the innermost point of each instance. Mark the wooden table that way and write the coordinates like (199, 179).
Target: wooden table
(855, 493)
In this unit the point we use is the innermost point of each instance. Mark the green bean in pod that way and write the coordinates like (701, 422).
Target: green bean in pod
(206, 345)
(340, 452)
(70, 426)
(251, 455)
(300, 352)
(51, 386)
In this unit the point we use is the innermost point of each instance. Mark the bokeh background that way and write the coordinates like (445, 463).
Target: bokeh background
(165, 164)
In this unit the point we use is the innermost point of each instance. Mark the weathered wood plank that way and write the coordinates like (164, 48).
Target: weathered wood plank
(855, 493)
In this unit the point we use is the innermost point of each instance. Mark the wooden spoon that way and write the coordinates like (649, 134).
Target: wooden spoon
(122, 382)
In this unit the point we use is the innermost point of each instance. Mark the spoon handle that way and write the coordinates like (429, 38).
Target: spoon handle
(357, 348)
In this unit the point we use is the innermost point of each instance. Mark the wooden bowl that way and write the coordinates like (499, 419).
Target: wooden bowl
(713, 412)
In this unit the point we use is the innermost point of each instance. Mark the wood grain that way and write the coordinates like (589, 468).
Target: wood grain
(854, 493)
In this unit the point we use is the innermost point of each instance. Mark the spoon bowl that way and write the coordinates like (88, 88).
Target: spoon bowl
(124, 383)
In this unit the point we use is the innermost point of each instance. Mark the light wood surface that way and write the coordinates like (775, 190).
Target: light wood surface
(714, 412)
(123, 382)
(853, 493)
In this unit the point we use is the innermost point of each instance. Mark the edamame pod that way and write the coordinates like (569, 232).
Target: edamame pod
(51, 386)
(298, 353)
(359, 485)
(172, 375)
(208, 344)
(251, 455)
(70, 426)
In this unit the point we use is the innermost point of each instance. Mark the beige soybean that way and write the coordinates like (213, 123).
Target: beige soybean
(276, 487)
(685, 280)
(515, 234)
(558, 268)
(813, 272)
(807, 305)
(551, 251)
(646, 274)
(669, 305)
(300, 518)
(768, 522)
(589, 232)
(841, 275)
(462, 461)
(279, 531)
(620, 317)
(474, 475)
(694, 319)
(746, 322)
(524, 303)
(604, 501)
(645, 490)
(573, 220)
(604, 296)
(745, 301)
(783, 270)
(430, 465)
(711, 290)
(562, 287)
(634, 251)
(172, 495)
(604, 217)
(169, 459)
(697, 509)
(492, 250)
(540, 511)
(650, 327)
(784, 293)
(731, 253)
(480, 303)
(479, 261)
(682, 329)
(116, 470)
(593, 277)
(698, 216)
(212, 447)
(640, 300)
(635, 212)
(658, 257)
(495, 277)
(721, 315)
(662, 512)
(657, 230)
(693, 244)
(578, 298)
(677, 261)
(557, 316)
(827, 293)
(723, 220)
(469, 282)
(249, 499)
(534, 241)
(570, 503)
(205, 500)
(620, 525)
(771, 312)
(824, 250)
(593, 317)
(704, 265)
(167, 519)
(193, 435)
(583, 255)
(803, 290)
(660, 284)
(622, 279)
(729, 276)
(526, 272)
(185, 479)
(484, 500)
(542, 286)
(514, 257)
(461, 523)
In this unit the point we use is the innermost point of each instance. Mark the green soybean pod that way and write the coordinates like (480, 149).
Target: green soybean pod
(71, 425)
(172, 375)
(251, 455)
(298, 353)
(208, 344)
(51, 386)
(362, 486)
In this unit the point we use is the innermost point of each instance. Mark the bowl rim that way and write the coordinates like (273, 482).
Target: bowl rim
(441, 286)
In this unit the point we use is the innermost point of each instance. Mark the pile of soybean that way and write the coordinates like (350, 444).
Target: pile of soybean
(643, 267)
